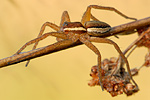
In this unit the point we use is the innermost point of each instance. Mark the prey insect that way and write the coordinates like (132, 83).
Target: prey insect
(84, 31)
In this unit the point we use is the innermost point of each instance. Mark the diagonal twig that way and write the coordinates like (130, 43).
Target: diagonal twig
(124, 28)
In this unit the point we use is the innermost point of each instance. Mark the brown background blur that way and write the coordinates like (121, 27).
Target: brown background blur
(63, 75)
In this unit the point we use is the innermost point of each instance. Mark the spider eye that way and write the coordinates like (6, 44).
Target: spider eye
(97, 27)
(65, 24)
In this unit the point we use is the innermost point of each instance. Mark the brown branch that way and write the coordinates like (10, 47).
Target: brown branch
(127, 28)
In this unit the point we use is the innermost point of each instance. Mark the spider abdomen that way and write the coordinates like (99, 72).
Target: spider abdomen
(97, 27)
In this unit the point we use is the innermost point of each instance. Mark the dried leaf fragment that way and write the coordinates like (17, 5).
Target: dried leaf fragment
(114, 84)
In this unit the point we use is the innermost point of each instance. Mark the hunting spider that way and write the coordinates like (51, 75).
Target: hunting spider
(85, 31)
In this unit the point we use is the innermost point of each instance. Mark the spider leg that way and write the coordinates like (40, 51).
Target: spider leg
(84, 40)
(53, 26)
(87, 15)
(64, 18)
(94, 18)
(104, 40)
(56, 34)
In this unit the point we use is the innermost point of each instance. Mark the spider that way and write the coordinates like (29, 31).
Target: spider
(86, 31)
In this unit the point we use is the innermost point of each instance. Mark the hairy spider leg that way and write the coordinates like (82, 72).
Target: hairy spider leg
(84, 40)
(51, 25)
(55, 34)
(94, 18)
(65, 17)
(87, 15)
(104, 40)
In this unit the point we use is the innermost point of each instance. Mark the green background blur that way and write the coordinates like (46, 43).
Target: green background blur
(63, 75)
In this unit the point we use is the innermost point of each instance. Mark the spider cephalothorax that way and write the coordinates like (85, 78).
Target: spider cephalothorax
(75, 27)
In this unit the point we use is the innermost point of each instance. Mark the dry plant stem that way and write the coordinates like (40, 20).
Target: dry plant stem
(48, 50)
(134, 44)
(131, 46)
(134, 47)
(37, 52)
(127, 27)
(136, 41)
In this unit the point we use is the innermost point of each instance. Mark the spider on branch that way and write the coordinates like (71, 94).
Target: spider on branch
(88, 30)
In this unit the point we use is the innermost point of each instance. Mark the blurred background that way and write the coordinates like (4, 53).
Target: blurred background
(63, 75)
